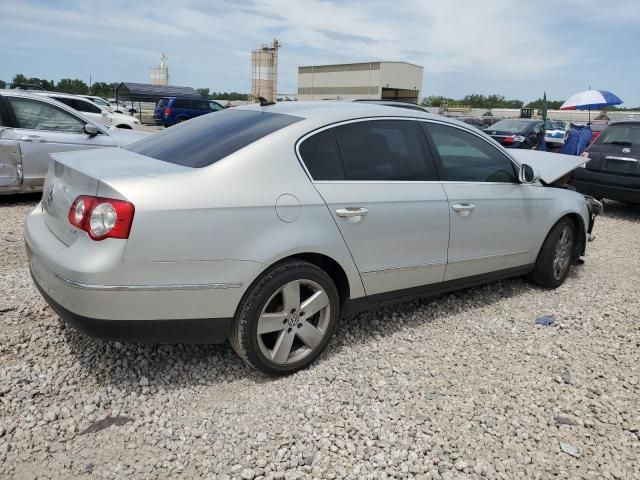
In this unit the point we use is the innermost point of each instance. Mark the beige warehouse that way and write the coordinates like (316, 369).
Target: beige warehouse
(370, 80)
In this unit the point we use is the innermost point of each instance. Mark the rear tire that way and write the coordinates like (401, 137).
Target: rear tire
(272, 332)
(556, 255)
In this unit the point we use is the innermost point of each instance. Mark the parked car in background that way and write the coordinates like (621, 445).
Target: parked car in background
(556, 132)
(122, 107)
(517, 133)
(597, 126)
(475, 121)
(101, 102)
(32, 126)
(94, 111)
(172, 110)
(265, 224)
(613, 169)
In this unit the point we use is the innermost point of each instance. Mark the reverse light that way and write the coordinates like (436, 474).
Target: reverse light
(102, 217)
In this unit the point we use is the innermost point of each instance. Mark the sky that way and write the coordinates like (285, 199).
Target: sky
(515, 48)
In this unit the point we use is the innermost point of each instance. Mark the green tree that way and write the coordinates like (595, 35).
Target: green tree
(204, 92)
(3, 84)
(551, 104)
(103, 89)
(72, 85)
(46, 84)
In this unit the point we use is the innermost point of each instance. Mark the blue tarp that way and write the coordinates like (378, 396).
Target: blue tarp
(577, 141)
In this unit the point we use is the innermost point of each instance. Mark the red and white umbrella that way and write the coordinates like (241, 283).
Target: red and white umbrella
(590, 99)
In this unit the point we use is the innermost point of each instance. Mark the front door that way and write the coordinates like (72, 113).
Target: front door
(494, 218)
(379, 183)
(42, 129)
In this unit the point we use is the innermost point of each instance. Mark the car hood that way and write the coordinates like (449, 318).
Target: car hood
(550, 166)
(123, 136)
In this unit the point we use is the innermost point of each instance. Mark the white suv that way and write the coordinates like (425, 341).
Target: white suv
(94, 112)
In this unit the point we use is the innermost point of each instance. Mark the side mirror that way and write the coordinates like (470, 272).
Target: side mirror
(527, 174)
(91, 130)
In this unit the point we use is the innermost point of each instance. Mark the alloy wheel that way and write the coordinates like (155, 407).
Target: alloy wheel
(293, 322)
(563, 251)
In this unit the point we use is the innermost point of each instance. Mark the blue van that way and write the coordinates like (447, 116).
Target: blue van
(172, 110)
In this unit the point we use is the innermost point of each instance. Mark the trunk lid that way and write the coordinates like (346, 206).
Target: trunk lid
(550, 166)
(72, 174)
(618, 159)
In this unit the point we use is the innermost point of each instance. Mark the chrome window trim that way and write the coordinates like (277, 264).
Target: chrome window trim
(490, 141)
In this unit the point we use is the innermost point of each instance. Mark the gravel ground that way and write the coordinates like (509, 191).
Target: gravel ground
(464, 386)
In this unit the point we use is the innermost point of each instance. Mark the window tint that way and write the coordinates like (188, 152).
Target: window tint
(215, 106)
(384, 150)
(209, 138)
(181, 103)
(467, 158)
(36, 115)
(200, 104)
(321, 156)
(85, 106)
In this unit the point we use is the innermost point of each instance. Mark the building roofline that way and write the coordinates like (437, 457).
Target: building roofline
(363, 63)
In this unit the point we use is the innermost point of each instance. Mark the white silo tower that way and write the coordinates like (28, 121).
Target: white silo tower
(264, 71)
(160, 74)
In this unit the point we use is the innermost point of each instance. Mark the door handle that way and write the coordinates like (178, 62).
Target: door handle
(351, 212)
(33, 139)
(463, 207)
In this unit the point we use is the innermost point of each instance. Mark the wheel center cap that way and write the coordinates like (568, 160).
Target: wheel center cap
(293, 319)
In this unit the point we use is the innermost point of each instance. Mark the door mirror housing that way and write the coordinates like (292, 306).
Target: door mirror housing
(527, 174)
(91, 130)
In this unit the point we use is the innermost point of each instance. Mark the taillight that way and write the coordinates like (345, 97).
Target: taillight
(102, 217)
(167, 111)
(507, 139)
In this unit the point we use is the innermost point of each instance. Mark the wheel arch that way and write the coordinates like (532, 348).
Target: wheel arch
(581, 228)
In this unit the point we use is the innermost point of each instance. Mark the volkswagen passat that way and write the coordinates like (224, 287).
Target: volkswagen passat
(266, 224)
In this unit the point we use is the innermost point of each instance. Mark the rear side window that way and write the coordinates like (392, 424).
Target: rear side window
(181, 103)
(467, 158)
(208, 138)
(200, 104)
(321, 156)
(385, 150)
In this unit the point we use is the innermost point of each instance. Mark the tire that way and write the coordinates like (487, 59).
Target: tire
(291, 339)
(556, 255)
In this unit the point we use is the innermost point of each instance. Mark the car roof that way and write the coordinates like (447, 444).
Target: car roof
(330, 111)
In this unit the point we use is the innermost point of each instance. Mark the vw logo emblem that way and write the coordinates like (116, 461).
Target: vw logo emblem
(626, 150)
(293, 320)
(50, 196)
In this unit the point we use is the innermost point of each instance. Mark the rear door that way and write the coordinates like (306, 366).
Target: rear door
(42, 129)
(10, 161)
(379, 182)
(495, 220)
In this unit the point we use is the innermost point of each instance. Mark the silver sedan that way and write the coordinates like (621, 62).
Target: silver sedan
(32, 126)
(266, 224)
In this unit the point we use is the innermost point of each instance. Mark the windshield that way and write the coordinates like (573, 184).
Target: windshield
(205, 140)
(621, 134)
(510, 126)
(554, 126)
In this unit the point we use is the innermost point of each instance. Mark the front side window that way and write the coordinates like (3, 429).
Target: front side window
(36, 115)
(200, 104)
(467, 158)
(208, 138)
(215, 106)
(385, 150)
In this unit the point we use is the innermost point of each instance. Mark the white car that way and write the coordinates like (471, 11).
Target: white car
(95, 112)
(122, 107)
(556, 132)
(101, 102)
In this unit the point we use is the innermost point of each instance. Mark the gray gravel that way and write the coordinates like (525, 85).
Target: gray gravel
(465, 386)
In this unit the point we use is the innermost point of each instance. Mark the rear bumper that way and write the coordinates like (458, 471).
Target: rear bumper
(606, 185)
(192, 330)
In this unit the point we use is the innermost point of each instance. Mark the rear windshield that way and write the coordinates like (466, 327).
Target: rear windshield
(623, 134)
(162, 102)
(510, 126)
(204, 140)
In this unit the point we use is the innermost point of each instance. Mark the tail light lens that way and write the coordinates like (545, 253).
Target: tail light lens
(167, 112)
(102, 217)
(507, 140)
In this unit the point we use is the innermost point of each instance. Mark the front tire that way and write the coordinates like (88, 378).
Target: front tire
(286, 319)
(556, 255)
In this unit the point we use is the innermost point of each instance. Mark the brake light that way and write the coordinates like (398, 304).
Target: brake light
(508, 139)
(167, 111)
(102, 217)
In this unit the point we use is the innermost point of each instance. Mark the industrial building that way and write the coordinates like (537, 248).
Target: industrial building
(370, 80)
